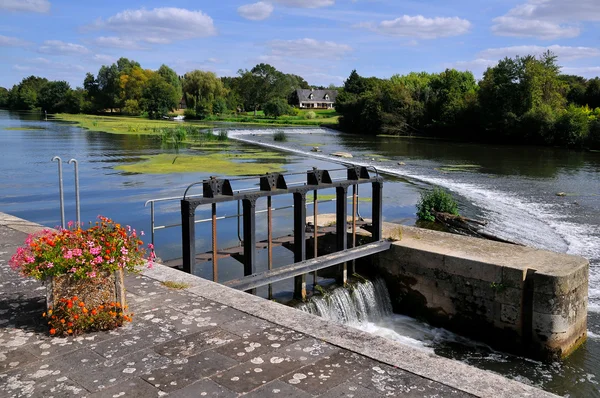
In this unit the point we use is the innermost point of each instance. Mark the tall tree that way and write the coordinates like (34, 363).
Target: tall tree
(262, 84)
(3, 97)
(108, 81)
(24, 96)
(201, 89)
(172, 78)
(53, 96)
(158, 97)
(592, 93)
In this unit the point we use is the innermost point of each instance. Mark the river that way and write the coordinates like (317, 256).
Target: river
(513, 188)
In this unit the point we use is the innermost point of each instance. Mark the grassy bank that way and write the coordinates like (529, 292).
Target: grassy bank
(322, 117)
(120, 124)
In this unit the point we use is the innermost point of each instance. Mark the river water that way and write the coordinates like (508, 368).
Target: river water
(513, 188)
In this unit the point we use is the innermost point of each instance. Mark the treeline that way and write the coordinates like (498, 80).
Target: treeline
(520, 100)
(125, 87)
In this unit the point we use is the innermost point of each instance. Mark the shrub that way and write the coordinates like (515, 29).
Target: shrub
(132, 108)
(594, 134)
(280, 136)
(223, 135)
(572, 126)
(189, 113)
(277, 107)
(438, 200)
(310, 115)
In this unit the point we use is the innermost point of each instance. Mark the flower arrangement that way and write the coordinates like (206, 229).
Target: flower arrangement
(71, 317)
(81, 253)
(84, 268)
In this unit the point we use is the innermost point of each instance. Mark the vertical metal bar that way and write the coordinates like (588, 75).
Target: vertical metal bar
(358, 203)
(214, 243)
(270, 241)
(341, 227)
(300, 242)
(188, 236)
(377, 210)
(239, 214)
(77, 205)
(354, 201)
(152, 220)
(249, 206)
(315, 233)
(60, 189)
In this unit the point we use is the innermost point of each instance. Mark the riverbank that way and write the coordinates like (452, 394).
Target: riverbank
(207, 338)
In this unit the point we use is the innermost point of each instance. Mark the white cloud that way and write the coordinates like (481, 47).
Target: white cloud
(7, 41)
(585, 71)
(307, 3)
(44, 64)
(300, 48)
(159, 25)
(257, 11)
(41, 6)
(520, 27)
(104, 59)
(547, 19)
(420, 27)
(117, 42)
(563, 52)
(58, 47)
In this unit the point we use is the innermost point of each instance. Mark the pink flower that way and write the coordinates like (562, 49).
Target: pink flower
(73, 270)
(29, 259)
(150, 246)
(142, 233)
(77, 252)
(68, 255)
(94, 251)
(91, 274)
(150, 264)
(70, 224)
(98, 260)
(49, 265)
(124, 250)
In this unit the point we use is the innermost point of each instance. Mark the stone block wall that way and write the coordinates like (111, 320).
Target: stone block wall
(515, 298)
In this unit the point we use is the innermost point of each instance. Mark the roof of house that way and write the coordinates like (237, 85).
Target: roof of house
(318, 95)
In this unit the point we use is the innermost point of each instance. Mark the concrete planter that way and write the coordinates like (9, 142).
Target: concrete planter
(105, 288)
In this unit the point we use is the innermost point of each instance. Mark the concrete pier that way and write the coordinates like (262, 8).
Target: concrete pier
(210, 340)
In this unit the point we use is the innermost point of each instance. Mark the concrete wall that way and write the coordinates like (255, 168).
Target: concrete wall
(515, 298)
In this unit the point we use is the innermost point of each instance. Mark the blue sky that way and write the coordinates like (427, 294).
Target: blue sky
(321, 40)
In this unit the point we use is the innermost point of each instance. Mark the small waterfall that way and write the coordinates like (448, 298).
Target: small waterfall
(367, 301)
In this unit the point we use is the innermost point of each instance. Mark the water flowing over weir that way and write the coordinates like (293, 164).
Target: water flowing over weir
(363, 302)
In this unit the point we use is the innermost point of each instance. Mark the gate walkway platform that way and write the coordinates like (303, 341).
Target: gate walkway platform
(208, 340)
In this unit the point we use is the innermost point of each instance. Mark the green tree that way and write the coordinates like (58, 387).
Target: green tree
(53, 96)
(3, 97)
(201, 89)
(575, 88)
(276, 107)
(24, 96)
(159, 97)
(592, 93)
(108, 81)
(572, 126)
(260, 85)
(172, 78)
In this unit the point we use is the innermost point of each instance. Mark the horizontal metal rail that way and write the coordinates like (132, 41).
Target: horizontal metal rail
(304, 267)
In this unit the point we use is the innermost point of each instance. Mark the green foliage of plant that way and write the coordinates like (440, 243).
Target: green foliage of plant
(438, 200)
(132, 108)
(310, 115)
(280, 136)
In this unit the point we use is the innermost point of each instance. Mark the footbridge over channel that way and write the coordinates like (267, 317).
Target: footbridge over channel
(217, 191)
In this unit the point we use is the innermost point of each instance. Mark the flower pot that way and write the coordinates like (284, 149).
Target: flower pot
(106, 287)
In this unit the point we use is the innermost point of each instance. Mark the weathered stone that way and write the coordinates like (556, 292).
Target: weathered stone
(134, 388)
(203, 388)
(278, 389)
(195, 343)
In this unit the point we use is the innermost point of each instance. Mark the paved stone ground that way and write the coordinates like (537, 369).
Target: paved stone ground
(211, 341)
(178, 345)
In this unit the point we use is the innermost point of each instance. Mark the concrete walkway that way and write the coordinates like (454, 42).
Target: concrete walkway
(209, 340)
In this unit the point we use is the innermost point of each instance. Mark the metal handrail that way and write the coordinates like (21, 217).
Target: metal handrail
(238, 215)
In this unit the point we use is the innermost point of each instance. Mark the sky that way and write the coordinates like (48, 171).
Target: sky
(320, 40)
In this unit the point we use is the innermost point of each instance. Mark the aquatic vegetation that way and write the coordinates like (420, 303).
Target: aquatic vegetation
(437, 200)
(215, 163)
(280, 136)
(459, 168)
(25, 128)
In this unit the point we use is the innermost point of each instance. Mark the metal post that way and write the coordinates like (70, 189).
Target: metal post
(214, 243)
(354, 201)
(77, 205)
(188, 238)
(377, 210)
(152, 220)
(341, 227)
(300, 242)
(60, 189)
(249, 206)
(270, 241)
(315, 233)
(239, 214)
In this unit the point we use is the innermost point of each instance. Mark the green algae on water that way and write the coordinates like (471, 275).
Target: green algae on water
(26, 128)
(214, 163)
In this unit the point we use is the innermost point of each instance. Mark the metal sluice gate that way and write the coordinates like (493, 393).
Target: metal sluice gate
(215, 191)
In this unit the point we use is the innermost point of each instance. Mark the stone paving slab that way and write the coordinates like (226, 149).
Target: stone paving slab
(209, 341)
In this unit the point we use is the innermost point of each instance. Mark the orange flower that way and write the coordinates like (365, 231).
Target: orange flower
(76, 317)
(84, 310)
(70, 324)
(52, 331)
(94, 312)
(69, 304)
(75, 298)
(70, 331)
(44, 315)
(81, 304)
(62, 321)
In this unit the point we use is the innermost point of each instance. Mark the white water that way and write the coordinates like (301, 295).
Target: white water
(509, 215)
